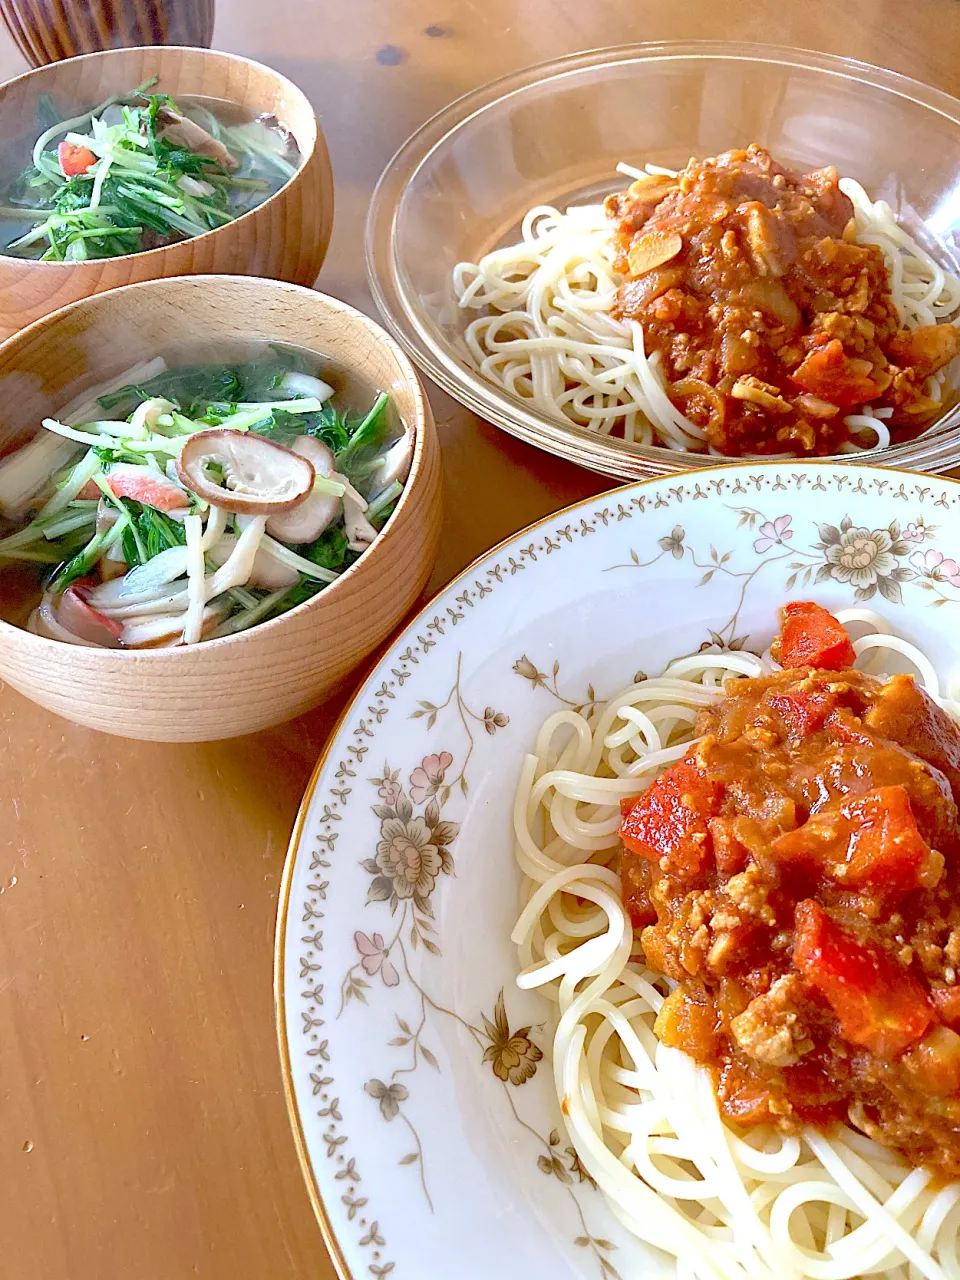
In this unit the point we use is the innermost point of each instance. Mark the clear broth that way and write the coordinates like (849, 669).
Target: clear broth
(21, 583)
(198, 108)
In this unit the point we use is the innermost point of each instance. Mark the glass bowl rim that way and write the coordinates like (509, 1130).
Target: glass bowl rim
(606, 455)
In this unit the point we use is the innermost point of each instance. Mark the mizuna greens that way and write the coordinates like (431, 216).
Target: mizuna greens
(190, 503)
(138, 172)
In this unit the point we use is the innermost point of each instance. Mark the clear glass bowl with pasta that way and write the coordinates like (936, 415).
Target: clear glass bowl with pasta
(553, 135)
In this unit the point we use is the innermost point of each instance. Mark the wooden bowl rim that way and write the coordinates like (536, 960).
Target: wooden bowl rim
(421, 424)
(153, 255)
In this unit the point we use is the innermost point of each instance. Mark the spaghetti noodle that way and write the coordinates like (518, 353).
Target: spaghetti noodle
(643, 1117)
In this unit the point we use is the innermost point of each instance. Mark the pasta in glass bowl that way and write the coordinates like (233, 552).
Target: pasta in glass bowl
(498, 267)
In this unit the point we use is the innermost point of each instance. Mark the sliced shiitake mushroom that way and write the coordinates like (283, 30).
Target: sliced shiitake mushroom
(266, 571)
(393, 467)
(259, 477)
(184, 132)
(319, 510)
(360, 532)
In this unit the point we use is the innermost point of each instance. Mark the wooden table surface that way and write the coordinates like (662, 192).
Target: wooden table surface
(143, 1131)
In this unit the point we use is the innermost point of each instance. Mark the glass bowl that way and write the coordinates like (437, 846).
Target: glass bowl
(554, 134)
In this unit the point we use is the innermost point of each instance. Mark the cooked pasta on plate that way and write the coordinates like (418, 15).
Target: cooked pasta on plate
(620, 932)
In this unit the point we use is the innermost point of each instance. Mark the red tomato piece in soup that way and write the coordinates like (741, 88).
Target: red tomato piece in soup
(812, 637)
(872, 840)
(946, 1001)
(669, 820)
(878, 1005)
(830, 374)
(74, 159)
(803, 712)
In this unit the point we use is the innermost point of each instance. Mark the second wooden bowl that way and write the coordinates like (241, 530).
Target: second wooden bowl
(48, 30)
(260, 677)
(286, 237)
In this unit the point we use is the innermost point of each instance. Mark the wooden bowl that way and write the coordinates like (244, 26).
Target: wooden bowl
(242, 683)
(48, 30)
(286, 237)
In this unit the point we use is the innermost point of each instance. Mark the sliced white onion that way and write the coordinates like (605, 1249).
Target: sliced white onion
(25, 472)
(85, 406)
(394, 466)
(144, 581)
(113, 563)
(85, 470)
(164, 600)
(47, 624)
(193, 187)
(154, 631)
(302, 384)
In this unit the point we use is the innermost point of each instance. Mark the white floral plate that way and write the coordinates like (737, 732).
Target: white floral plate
(416, 1074)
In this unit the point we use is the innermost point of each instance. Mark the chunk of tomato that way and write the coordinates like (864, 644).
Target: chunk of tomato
(730, 853)
(74, 159)
(879, 1006)
(946, 1001)
(872, 840)
(830, 374)
(812, 637)
(926, 349)
(668, 822)
(886, 847)
(802, 713)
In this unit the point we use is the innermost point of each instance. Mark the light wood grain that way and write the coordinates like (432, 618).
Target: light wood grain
(285, 237)
(161, 1147)
(259, 677)
(48, 30)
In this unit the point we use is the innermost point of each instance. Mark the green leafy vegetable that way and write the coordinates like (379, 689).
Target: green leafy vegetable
(363, 449)
(254, 397)
(201, 388)
(149, 533)
(330, 549)
(141, 190)
(79, 565)
(305, 589)
(332, 427)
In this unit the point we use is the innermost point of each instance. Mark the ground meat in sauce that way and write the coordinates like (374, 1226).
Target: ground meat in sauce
(772, 322)
(766, 873)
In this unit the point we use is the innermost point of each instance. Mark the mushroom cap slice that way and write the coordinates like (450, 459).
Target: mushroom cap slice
(260, 477)
(313, 516)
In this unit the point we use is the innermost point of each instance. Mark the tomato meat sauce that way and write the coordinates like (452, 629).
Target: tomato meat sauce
(797, 875)
(771, 321)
